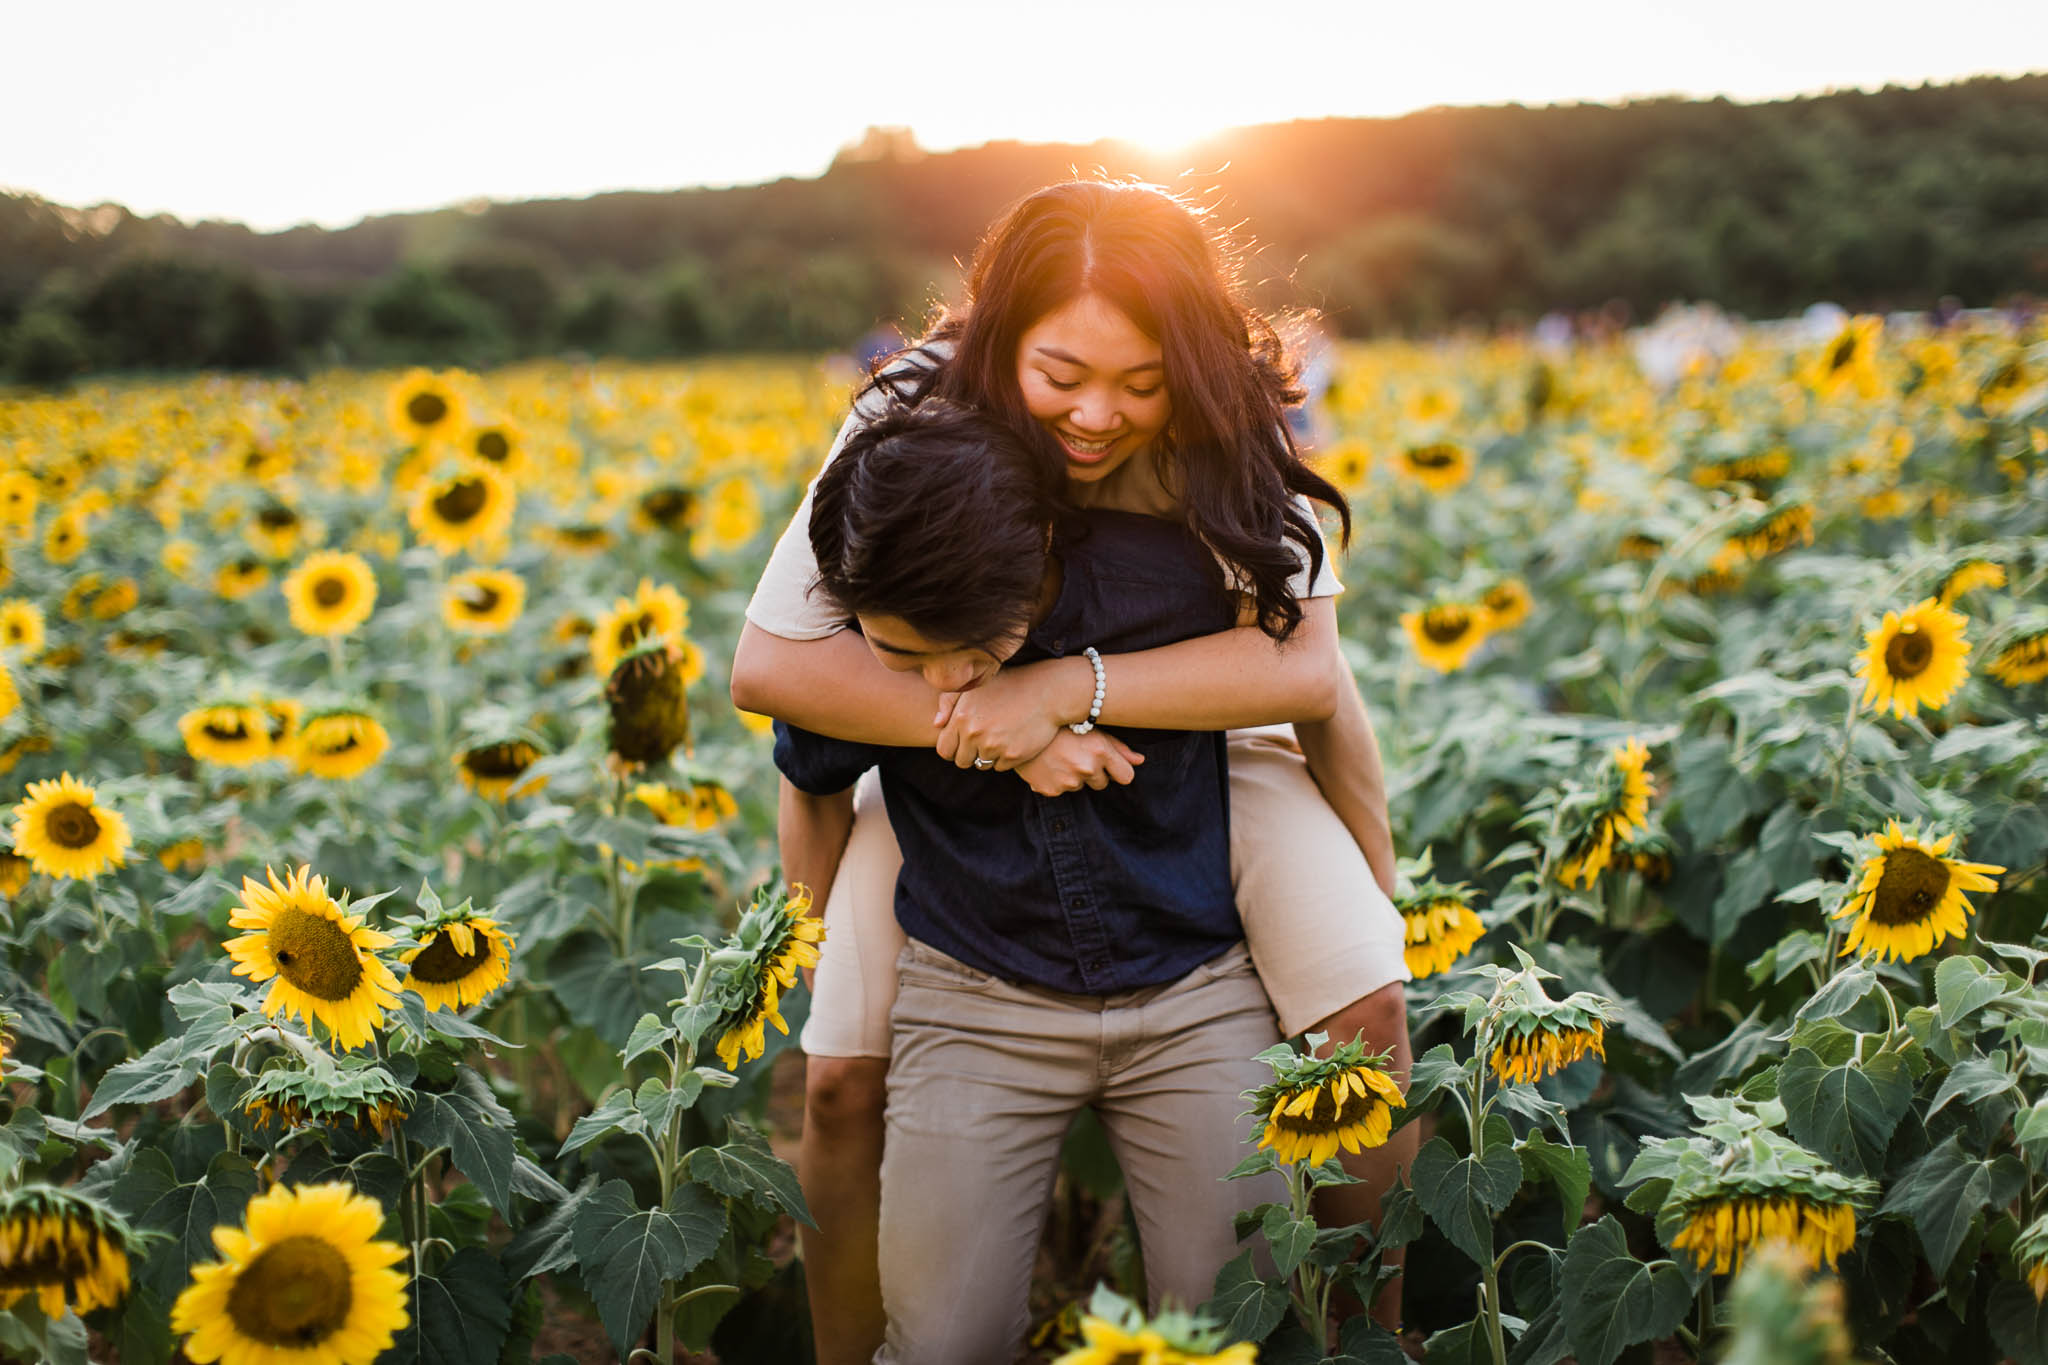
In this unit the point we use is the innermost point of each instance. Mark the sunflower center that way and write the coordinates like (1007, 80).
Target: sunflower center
(1843, 353)
(482, 600)
(315, 954)
(330, 592)
(425, 409)
(224, 733)
(498, 760)
(442, 962)
(1912, 886)
(294, 1294)
(463, 500)
(278, 518)
(72, 825)
(492, 445)
(1432, 456)
(1908, 654)
(1446, 627)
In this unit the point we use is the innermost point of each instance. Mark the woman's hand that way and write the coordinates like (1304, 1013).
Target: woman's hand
(1012, 717)
(1073, 761)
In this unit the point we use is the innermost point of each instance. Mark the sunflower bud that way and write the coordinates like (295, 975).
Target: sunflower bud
(650, 710)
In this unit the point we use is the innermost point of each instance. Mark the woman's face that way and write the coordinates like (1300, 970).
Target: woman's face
(1096, 382)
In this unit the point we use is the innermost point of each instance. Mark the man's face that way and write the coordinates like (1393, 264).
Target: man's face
(945, 666)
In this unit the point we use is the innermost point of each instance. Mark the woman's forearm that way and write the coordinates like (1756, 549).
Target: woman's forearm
(1234, 678)
(1344, 758)
(833, 687)
(812, 831)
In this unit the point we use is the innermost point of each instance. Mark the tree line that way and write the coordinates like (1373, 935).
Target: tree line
(1875, 200)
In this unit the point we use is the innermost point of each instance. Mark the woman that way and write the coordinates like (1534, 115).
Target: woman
(1102, 327)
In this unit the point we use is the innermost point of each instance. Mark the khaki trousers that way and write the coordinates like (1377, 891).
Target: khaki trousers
(985, 1078)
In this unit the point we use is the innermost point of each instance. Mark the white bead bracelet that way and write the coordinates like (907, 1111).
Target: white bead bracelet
(1082, 727)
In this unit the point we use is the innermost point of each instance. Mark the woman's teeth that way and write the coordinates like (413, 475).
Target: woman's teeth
(1081, 447)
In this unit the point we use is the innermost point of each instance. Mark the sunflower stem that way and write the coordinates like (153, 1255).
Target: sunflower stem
(334, 669)
(1842, 758)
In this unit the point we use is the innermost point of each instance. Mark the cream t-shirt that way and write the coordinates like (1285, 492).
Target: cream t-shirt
(787, 603)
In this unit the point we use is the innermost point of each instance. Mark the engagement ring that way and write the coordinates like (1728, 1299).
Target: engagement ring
(984, 763)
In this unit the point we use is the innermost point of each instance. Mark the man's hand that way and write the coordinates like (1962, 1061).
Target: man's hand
(1073, 761)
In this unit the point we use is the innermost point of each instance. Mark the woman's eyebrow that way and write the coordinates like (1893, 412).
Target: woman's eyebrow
(1055, 353)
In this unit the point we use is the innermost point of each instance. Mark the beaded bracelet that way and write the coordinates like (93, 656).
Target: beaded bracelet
(1082, 727)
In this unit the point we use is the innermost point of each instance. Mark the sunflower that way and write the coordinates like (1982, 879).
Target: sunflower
(14, 873)
(323, 959)
(22, 748)
(1347, 464)
(483, 601)
(1777, 530)
(651, 612)
(1910, 896)
(1439, 466)
(64, 1249)
(782, 935)
(2022, 660)
(275, 530)
(1849, 361)
(754, 722)
(66, 539)
(732, 517)
(21, 626)
(18, 497)
(650, 709)
(1719, 1234)
(1115, 1331)
(178, 558)
(1504, 606)
(62, 829)
(423, 407)
(499, 445)
(184, 853)
(1440, 929)
(1346, 1100)
(464, 511)
(10, 695)
(1914, 659)
(238, 578)
(355, 1090)
(666, 507)
(331, 592)
(303, 1282)
(1759, 468)
(339, 744)
(1444, 635)
(1535, 1051)
(231, 734)
(494, 771)
(82, 589)
(459, 962)
(282, 715)
(1967, 576)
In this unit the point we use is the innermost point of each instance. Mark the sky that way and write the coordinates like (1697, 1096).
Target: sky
(277, 112)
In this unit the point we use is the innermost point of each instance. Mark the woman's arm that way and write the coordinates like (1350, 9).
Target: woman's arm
(832, 686)
(1344, 758)
(1232, 678)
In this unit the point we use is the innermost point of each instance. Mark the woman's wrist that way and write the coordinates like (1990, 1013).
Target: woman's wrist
(1070, 688)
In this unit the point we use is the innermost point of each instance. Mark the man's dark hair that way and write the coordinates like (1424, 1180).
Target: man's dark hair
(938, 516)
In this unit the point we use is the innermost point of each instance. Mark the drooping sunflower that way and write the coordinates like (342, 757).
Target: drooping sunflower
(232, 734)
(321, 961)
(2021, 659)
(1533, 1035)
(782, 935)
(1439, 466)
(1316, 1105)
(303, 1282)
(1440, 927)
(650, 709)
(1505, 605)
(1914, 659)
(423, 407)
(1777, 530)
(1719, 1234)
(1445, 634)
(463, 511)
(331, 592)
(21, 626)
(494, 771)
(61, 828)
(1968, 576)
(483, 601)
(652, 611)
(238, 578)
(1533, 1053)
(62, 1248)
(1910, 896)
(352, 1089)
(459, 962)
(340, 743)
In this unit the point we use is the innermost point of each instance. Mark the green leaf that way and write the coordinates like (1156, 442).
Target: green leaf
(2030, 1130)
(1845, 1113)
(2018, 1322)
(479, 1148)
(617, 1113)
(1841, 994)
(157, 1074)
(1973, 1080)
(1465, 1344)
(459, 1316)
(1400, 1217)
(1964, 985)
(1434, 1073)
(1462, 1194)
(1247, 1307)
(746, 1168)
(1745, 887)
(1364, 1342)
(648, 1034)
(626, 1253)
(1943, 1191)
(1288, 1236)
(1611, 1300)
(142, 1333)
(548, 1243)
(1568, 1169)
(189, 1213)
(1545, 1341)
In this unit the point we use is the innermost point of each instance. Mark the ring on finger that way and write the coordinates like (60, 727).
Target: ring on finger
(984, 763)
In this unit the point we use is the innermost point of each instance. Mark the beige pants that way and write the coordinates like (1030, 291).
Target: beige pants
(1322, 933)
(985, 1079)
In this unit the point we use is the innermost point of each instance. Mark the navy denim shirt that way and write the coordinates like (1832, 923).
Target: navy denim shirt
(1092, 892)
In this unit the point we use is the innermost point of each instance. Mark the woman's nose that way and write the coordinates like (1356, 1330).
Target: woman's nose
(1094, 415)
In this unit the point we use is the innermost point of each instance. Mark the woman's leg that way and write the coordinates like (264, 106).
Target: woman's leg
(846, 1043)
(1328, 943)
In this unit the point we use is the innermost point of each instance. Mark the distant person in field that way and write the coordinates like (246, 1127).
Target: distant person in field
(1104, 329)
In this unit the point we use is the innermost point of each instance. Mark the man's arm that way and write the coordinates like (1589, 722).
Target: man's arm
(812, 831)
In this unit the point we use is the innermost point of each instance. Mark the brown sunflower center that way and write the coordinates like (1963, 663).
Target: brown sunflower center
(481, 599)
(1842, 354)
(226, 733)
(442, 963)
(72, 825)
(294, 1294)
(278, 518)
(498, 760)
(1908, 654)
(1501, 598)
(1335, 1107)
(425, 409)
(1912, 886)
(665, 506)
(47, 1253)
(1446, 627)
(1437, 456)
(491, 445)
(330, 592)
(462, 501)
(315, 954)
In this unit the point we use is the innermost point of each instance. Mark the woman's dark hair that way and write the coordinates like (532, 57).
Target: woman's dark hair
(1226, 452)
(933, 514)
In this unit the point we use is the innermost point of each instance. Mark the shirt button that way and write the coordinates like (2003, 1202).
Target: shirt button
(1059, 644)
(1096, 964)
(1078, 902)
(1059, 826)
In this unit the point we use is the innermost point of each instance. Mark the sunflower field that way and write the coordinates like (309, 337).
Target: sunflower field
(396, 965)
